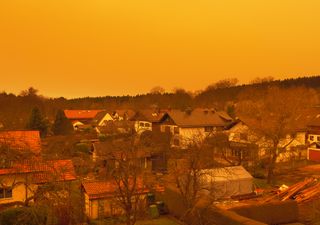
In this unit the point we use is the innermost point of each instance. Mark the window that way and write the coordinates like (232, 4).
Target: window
(5, 193)
(311, 137)
(208, 129)
(147, 125)
(243, 136)
(176, 130)
(176, 142)
(167, 129)
(318, 138)
(141, 124)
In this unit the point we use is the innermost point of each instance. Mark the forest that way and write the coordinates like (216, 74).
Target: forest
(15, 110)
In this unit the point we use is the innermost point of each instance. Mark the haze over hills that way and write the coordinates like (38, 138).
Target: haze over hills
(17, 108)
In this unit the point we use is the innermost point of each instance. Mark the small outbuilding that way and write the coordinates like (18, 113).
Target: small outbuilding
(227, 181)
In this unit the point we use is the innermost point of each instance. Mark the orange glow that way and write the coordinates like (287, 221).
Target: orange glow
(112, 47)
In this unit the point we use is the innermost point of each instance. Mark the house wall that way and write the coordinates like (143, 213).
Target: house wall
(104, 207)
(313, 138)
(19, 191)
(105, 119)
(141, 126)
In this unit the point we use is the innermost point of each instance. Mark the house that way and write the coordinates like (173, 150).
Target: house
(193, 126)
(102, 118)
(21, 140)
(239, 133)
(313, 139)
(123, 114)
(148, 119)
(81, 117)
(19, 181)
(108, 154)
(100, 197)
(227, 182)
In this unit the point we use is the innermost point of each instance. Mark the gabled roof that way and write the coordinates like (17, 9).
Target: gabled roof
(227, 174)
(81, 114)
(149, 115)
(197, 118)
(101, 115)
(128, 113)
(43, 171)
(107, 150)
(107, 189)
(25, 140)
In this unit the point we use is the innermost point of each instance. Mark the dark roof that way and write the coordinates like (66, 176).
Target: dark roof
(150, 115)
(128, 113)
(110, 150)
(309, 117)
(197, 118)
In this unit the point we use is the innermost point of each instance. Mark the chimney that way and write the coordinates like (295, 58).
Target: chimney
(188, 111)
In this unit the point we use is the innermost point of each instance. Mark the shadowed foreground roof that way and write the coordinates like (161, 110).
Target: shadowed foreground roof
(108, 189)
(28, 140)
(43, 171)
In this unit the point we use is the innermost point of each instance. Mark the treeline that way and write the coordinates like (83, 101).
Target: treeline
(15, 110)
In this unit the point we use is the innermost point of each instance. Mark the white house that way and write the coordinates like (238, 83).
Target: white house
(193, 126)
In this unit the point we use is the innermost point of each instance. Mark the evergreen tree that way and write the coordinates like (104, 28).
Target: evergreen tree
(62, 125)
(37, 122)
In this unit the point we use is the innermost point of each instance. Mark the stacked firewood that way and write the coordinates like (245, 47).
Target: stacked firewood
(304, 191)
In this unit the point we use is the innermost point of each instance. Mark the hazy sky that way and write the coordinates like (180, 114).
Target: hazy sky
(113, 47)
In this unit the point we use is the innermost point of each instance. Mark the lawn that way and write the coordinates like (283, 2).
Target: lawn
(163, 220)
(159, 221)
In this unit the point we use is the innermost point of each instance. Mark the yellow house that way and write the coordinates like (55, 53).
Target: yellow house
(100, 198)
(20, 181)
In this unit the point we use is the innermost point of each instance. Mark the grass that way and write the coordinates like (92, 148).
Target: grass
(162, 220)
(159, 221)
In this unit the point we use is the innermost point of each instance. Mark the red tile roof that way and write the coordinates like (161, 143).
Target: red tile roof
(22, 140)
(43, 171)
(108, 189)
(81, 114)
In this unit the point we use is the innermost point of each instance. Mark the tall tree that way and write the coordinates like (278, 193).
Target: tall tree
(38, 122)
(62, 126)
(272, 114)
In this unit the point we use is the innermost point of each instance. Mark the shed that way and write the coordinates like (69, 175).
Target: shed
(227, 181)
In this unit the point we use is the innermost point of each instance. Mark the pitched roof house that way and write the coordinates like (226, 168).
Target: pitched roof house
(123, 114)
(148, 119)
(193, 126)
(20, 180)
(102, 118)
(103, 194)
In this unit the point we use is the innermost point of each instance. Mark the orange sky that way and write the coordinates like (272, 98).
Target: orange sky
(77, 48)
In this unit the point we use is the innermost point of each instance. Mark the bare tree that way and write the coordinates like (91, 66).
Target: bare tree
(271, 114)
(127, 175)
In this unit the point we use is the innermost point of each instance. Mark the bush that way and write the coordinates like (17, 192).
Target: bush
(102, 137)
(83, 148)
(23, 215)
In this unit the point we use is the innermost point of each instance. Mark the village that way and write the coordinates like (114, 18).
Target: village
(164, 166)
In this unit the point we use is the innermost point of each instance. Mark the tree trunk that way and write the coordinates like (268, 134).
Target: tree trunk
(272, 163)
